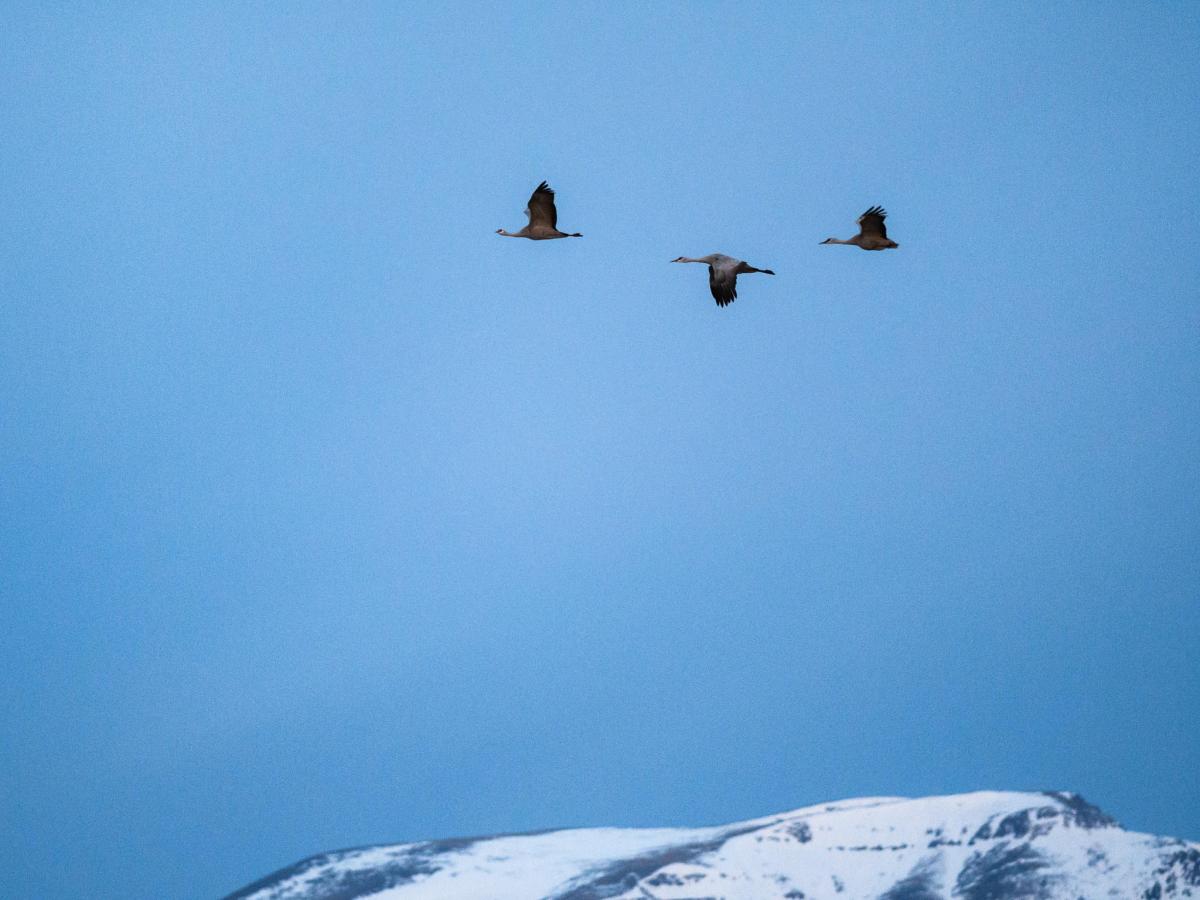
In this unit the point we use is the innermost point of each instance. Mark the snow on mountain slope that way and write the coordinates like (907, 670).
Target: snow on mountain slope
(981, 846)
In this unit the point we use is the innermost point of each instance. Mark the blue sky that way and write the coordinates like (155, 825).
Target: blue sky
(333, 518)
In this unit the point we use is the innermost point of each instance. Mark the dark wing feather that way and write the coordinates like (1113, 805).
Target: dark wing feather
(871, 222)
(541, 207)
(723, 285)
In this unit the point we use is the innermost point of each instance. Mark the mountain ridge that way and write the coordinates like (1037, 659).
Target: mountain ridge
(986, 845)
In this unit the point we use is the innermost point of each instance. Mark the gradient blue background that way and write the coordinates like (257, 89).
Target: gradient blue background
(330, 517)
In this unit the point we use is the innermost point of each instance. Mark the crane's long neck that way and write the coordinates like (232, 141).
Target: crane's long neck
(837, 241)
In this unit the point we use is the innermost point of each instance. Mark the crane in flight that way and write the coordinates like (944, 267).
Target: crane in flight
(722, 274)
(872, 233)
(543, 217)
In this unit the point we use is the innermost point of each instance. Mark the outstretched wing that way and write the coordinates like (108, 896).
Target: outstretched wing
(871, 222)
(541, 209)
(723, 284)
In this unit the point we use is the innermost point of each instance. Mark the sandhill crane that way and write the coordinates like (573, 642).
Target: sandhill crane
(543, 217)
(722, 275)
(872, 233)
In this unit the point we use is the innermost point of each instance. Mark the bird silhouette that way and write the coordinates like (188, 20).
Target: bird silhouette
(543, 217)
(722, 274)
(872, 233)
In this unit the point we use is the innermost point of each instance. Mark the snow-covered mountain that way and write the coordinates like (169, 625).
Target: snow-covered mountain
(981, 846)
